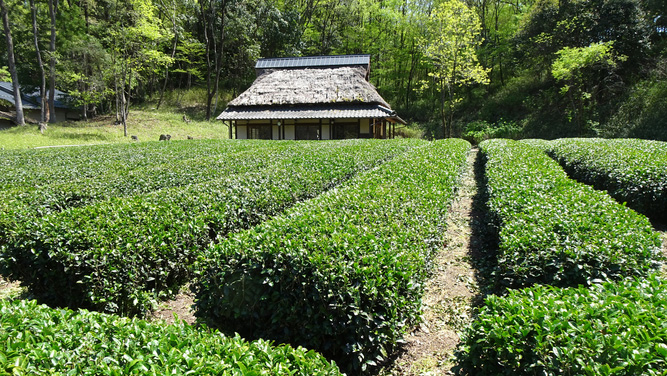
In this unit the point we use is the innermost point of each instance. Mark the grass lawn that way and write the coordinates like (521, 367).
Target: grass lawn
(147, 124)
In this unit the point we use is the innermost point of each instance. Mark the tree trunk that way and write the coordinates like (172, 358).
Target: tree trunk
(42, 73)
(166, 75)
(204, 14)
(53, 10)
(212, 87)
(443, 113)
(20, 120)
(123, 101)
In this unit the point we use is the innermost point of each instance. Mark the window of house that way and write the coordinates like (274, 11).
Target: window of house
(307, 131)
(259, 132)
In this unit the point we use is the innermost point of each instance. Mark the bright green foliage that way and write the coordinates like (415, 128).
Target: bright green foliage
(607, 329)
(342, 273)
(575, 67)
(556, 231)
(632, 171)
(537, 143)
(40, 340)
(571, 61)
(119, 255)
(453, 34)
(479, 131)
(4, 73)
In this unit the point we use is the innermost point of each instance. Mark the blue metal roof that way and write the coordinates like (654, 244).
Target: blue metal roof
(31, 101)
(313, 61)
(7, 94)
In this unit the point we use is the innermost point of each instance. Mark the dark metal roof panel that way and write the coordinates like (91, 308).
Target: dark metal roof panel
(7, 94)
(31, 101)
(313, 61)
(309, 112)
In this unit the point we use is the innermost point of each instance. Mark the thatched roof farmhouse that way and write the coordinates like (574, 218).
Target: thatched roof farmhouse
(311, 98)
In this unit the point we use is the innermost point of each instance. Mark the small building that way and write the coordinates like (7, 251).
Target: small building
(311, 98)
(31, 106)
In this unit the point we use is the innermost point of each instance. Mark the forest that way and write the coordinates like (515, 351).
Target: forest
(465, 68)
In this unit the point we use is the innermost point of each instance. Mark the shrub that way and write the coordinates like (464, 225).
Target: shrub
(40, 340)
(342, 273)
(632, 171)
(479, 131)
(553, 230)
(120, 255)
(61, 180)
(608, 329)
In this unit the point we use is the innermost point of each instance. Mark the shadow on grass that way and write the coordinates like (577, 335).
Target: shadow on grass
(82, 136)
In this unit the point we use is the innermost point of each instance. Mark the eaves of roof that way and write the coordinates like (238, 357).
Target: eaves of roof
(365, 111)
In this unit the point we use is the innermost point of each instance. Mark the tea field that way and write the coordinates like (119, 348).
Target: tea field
(312, 257)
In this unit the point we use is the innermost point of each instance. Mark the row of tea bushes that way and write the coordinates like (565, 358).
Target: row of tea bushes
(343, 273)
(614, 328)
(120, 255)
(588, 327)
(37, 340)
(556, 231)
(26, 204)
(39, 167)
(631, 170)
(58, 195)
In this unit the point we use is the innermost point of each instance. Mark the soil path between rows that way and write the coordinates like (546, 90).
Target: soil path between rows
(453, 288)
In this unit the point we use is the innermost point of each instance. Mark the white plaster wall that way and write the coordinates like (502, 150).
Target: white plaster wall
(242, 132)
(363, 126)
(289, 132)
(325, 131)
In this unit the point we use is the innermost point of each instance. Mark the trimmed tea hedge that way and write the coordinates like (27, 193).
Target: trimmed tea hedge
(607, 329)
(120, 255)
(39, 167)
(553, 230)
(537, 143)
(632, 171)
(343, 273)
(175, 171)
(40, 340)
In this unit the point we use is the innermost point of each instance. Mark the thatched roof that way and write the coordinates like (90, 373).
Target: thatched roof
(310, 86)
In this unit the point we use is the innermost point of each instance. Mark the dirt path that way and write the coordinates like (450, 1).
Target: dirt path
(9, 289)
(180, 307)
(452, 290)
(662, 229)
